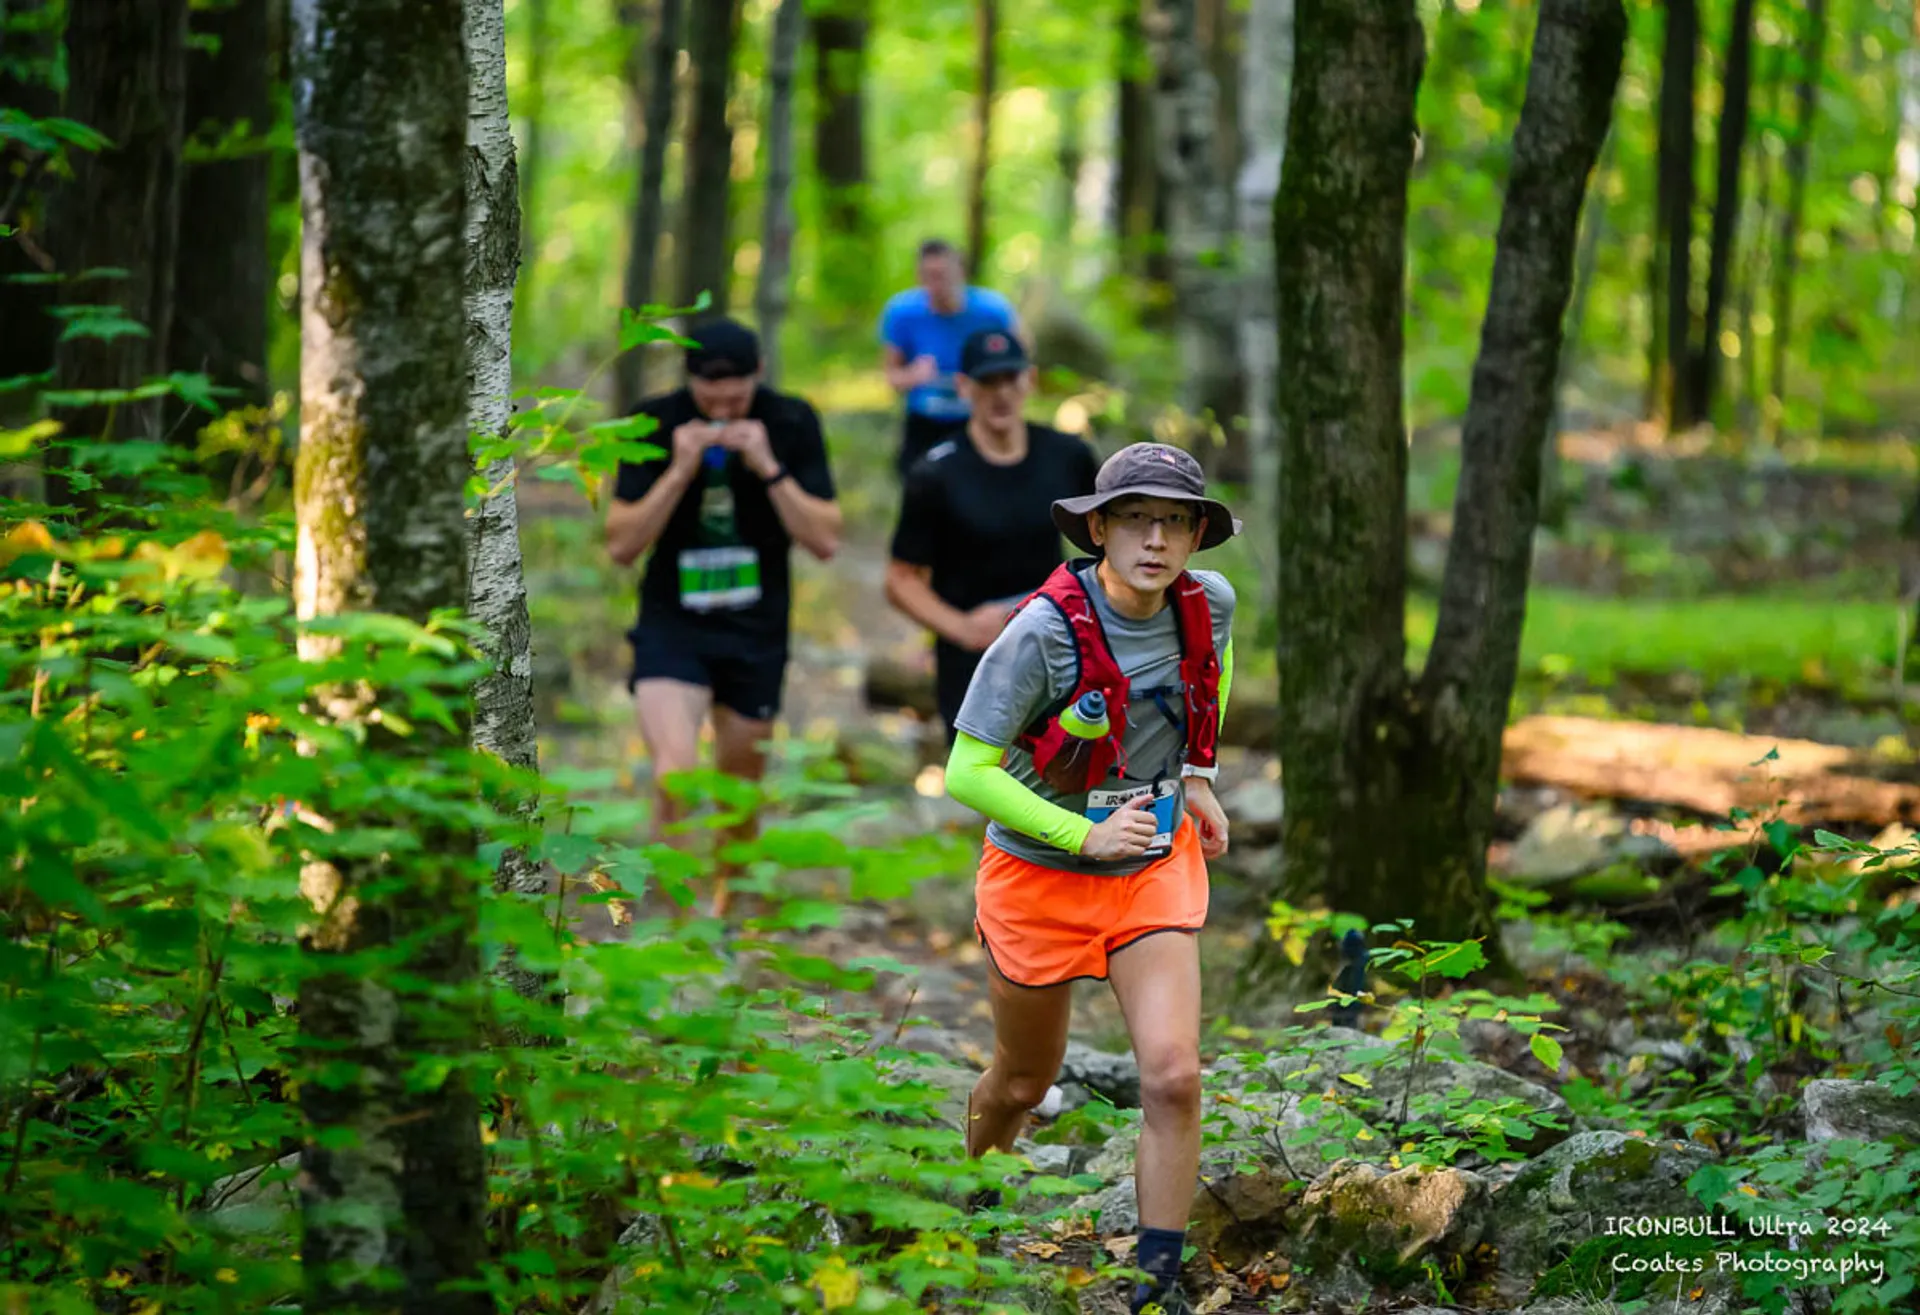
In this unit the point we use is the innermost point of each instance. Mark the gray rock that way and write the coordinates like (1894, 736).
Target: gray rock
(1442, 1075)
(1114, 1209)
(1057, 1161)
(258, 1201)
(948, 1086)
(1254, 809)
(1563, 1198)
(1236, 1214)
(1111, 1075)
(1386, 1224)
(1840, 1108)
(1565, 841)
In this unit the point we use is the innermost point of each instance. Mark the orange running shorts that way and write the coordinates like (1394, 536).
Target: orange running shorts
(1042, 926)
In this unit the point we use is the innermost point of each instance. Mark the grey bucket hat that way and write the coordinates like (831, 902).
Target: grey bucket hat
(1146, 470)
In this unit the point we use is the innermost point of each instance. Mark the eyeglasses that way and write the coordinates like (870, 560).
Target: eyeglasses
(1139, 522)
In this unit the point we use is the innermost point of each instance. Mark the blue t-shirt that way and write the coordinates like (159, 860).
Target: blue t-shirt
(915, 329)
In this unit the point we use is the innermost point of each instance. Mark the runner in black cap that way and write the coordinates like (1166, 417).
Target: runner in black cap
(743, 478)
(976, 532)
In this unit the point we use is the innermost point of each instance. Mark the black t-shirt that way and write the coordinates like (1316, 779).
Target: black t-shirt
(987, 531)
(756, 537)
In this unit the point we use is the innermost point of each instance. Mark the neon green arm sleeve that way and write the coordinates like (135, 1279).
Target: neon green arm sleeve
(1226, 678)
(976, 778)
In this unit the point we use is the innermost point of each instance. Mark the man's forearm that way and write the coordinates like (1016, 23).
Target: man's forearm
(914, 596)
(634, 527)
(813, 523)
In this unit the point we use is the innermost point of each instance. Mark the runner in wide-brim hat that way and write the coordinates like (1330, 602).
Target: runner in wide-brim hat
(1098, 844)
(1147, 470)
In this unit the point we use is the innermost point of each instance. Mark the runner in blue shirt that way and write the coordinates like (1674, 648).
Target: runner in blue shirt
(921, 333)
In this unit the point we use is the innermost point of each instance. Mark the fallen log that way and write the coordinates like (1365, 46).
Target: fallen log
(1710, 772)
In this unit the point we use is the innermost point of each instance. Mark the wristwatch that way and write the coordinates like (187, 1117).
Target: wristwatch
(779, 474)
(1204, 773)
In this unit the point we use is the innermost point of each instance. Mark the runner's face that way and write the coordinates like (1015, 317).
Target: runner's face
(998, 399)
(723, 399)
(940, 276)
(1147, 540)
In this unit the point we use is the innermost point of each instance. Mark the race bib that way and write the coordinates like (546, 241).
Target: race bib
(719, 579)
(1101, 804)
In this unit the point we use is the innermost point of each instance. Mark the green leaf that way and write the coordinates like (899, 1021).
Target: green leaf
(1454, 961)
(1547, 1051)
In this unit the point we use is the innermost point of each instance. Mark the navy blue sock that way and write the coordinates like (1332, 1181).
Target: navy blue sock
(1158, 1254)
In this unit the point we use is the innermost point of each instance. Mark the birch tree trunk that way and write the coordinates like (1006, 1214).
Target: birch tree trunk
(655, 93)
(1390, 781)
(392, 1173)
(1206, 288)
(126, 76)
(776, 227)
(702, 239)
(1265, 89)
(503, 721)
(1786, 252)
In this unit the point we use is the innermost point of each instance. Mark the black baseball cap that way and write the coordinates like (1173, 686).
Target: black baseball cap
(723, 349)
(990, 352)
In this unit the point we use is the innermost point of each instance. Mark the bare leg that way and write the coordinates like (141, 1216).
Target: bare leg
(738, 751)
(670, 713)
(1157, 981)
(1029, 1038)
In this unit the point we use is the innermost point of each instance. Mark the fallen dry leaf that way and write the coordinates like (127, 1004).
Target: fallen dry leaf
(1041, 1250)
(1216, 1302)
(1120, 1248)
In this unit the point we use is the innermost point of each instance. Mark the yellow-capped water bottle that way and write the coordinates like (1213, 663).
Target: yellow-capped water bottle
(1085, 722)
(1086, 718)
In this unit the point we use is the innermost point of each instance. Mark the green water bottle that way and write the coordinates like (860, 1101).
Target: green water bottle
(1085, 722)
(716, 499)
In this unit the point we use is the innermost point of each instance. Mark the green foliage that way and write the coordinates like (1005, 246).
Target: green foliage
(699, 1119)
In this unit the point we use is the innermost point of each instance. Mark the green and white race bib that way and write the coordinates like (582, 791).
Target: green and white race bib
(719, 579)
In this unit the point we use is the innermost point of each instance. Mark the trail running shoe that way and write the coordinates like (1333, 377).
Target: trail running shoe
(1170, 1300)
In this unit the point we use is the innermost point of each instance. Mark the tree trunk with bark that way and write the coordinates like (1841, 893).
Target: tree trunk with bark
(223, 275)
(652, 85)
(126, 75)
(704, 228)
(1139, 207)
(1736, 79)
(1266, 82)
(1672, 282)
(1070, 156)
(503, 720)
(1390, 780)
(1756, 258)
(1786, 251)
(1206, 284)
(986, 33)
(839, 32)
(27, 85)
(392, 1173)
(1593, 227)
(776, 228)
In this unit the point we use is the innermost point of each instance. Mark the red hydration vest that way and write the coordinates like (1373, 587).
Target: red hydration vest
(1199, 675)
